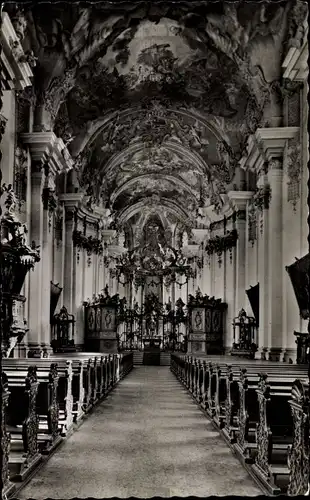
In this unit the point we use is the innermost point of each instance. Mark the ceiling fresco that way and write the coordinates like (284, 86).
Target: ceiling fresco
(156, 100)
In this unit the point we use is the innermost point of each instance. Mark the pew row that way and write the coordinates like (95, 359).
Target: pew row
(253, 405)
(44, 402)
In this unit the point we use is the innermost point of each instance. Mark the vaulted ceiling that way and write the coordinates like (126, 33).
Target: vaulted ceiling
(156, 100)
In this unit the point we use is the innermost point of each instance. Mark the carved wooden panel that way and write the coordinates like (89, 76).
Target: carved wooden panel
(198, 319)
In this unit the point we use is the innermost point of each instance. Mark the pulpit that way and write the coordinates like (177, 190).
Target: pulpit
(16, 260)
(206, 324)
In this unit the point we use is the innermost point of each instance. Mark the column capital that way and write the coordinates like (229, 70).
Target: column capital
(108, 235)
(265, 145)
(70, 200)
(273, 140)
(239, 199)
(47, 147)
(275, 164)
(200, 235)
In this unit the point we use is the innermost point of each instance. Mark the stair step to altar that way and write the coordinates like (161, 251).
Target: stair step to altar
(165, 359)
(137, 358)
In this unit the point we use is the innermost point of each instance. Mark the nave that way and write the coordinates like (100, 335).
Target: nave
(148, 438)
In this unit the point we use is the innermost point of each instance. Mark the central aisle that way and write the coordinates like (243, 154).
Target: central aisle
(146, 439)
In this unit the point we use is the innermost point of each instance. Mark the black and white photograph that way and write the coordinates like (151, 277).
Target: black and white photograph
(154, 249)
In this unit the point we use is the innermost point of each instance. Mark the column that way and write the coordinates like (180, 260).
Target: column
(46, 263)
(239, 201)
(229, 298)
(263, 270)
(70, 261)
(34, 299)
(276, 338)
(78, 301)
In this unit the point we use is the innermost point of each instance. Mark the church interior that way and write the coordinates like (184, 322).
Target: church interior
(154, 284)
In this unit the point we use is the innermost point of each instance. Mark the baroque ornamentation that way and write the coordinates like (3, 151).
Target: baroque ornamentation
(90, 244)
(19, 22)
(298, 455)
(243, 416)
(220, 244)
(262, 197)
(20, 175)
(31, 426)
(252, 219)
(49, 203)
(293, 170)
(263, 433)
(53, 411)
(5, 435)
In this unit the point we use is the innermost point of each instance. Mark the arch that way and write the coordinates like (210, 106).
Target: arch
(97, 127)
(126, 214)
(126, 185)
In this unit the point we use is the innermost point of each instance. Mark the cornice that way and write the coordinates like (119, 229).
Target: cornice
(200, 234)
(190, 250)
(239, 199)
(274, 140)
(265, 144)
(108, 234)
(70, 200)
(46, 146)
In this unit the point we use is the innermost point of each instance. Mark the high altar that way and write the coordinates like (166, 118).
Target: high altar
(150, 317)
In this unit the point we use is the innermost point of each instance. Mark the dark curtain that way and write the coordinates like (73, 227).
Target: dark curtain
(55, 294)
(253, 296)
(299, 274)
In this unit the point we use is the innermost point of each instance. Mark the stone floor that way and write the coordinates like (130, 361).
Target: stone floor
(146, 439)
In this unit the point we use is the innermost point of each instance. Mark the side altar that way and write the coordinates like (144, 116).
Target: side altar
(102, 316)
(206, 324)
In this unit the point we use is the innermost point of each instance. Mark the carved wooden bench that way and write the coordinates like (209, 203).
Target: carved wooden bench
(298, 459)
(22, 422)
(64, 389)
(125, 364)
(274, 430)
(7, 486)
(234, 413)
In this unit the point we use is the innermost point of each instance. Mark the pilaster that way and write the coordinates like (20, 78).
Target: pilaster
(239, 201)
(70, 202)
(265, 157)
(236, 270)
(47, 161)
(272, 144)
(276, 337)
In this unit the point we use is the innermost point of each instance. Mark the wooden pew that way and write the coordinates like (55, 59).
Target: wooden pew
(64, 388)
(298, 452)
(248, 404)
(23, 422)
(274, 432)
(126, 364)
(256, 422)
(7, 486)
